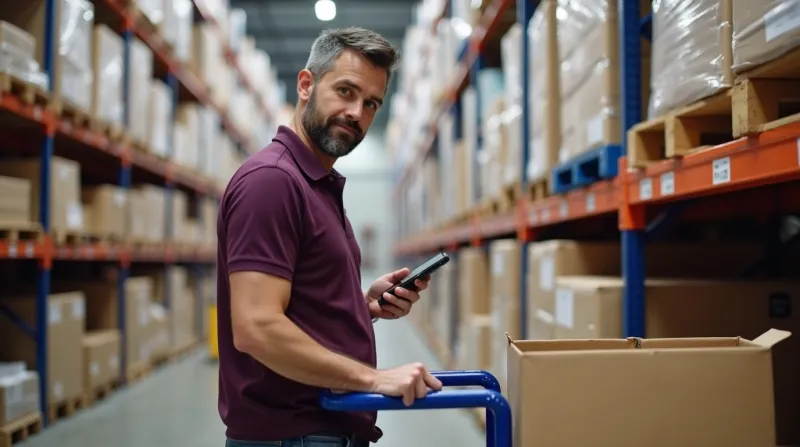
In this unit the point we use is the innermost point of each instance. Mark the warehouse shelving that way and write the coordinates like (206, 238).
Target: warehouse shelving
(742, 165)
(33, 127)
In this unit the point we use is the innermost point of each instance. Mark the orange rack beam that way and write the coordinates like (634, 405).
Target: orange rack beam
(768, 158)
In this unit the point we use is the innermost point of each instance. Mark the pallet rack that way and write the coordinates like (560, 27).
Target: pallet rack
(771, 157)
(50, 132)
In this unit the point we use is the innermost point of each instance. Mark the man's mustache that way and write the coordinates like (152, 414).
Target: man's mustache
(348, 123)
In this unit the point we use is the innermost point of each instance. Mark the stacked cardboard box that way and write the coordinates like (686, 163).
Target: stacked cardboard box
(17, 55)
(108, 68)
(104, 209)
(15, 202)
(474, 336)
(763, 31)
(139, 79)
(159, 125)
(66, 212)
(66, 313)
(505, 268)
(101, 359)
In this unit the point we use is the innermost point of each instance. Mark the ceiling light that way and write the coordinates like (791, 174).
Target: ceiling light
(325, 10)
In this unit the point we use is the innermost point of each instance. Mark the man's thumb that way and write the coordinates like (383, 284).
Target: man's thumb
(398, 275)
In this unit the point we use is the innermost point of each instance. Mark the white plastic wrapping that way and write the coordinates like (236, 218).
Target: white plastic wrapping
(588, 52)
(511, 49)
(691, 52)
(21, 391)
(75, 49)
(140, 77)
(17, 55)
(189, 118)
(179, 32)
(155, 10)
(237, 21)
(107, 63)
(763, 30)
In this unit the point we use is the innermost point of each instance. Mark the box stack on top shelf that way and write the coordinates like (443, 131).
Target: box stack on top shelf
(695, 103)
(115, 150)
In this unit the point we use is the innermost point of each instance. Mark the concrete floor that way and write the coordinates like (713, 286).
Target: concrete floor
(177, 406)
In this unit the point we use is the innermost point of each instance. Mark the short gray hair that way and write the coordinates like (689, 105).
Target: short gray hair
(331, 43)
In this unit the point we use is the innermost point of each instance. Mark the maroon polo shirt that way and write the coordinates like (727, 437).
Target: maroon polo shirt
(282, 214)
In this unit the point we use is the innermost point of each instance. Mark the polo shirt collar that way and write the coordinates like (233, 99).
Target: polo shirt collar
(301, 153)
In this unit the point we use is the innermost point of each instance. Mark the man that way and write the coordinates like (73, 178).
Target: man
(293, 318)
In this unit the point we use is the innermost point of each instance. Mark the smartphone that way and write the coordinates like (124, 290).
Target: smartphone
(424, 270)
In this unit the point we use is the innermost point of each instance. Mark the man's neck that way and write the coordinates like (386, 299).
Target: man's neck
(324, 159)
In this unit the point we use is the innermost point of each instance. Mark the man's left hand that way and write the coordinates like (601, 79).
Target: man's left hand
(399, 304)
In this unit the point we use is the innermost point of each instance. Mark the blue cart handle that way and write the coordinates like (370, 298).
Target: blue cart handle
(498, 420)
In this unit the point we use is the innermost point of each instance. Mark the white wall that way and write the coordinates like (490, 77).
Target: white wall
(367, 199)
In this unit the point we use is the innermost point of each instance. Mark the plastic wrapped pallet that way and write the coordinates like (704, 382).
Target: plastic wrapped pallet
(75, 51)
(505, 267)
(588, 39)
(19, 392)
(237, 21)
(179, 33)
(206, 59)
(182, 153)
(140, 77)
(107, 67)
(545, 116)
(511, 49)
(154, 10)
(17, 55)
(159, 122)
(691, 53)
(763, 31)
(190, 148)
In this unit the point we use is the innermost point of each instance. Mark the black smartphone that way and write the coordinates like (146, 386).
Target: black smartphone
(424, 270)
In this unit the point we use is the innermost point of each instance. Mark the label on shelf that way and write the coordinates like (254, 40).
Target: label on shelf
(667, 184)
(781, 19)
(547, 273)
(29, 249)
(798, 151)
(54, 313)
(646, 189)
(590, 202)
(545, 215)
(12, 250)
(564, 209)
(565, 307)
(721, 170)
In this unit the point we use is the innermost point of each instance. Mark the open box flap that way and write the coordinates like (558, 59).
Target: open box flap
(772, 337)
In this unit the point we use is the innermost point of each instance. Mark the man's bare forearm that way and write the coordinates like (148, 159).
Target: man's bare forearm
(286, 349)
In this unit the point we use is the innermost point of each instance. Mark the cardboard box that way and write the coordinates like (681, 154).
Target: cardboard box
(591, 307)
(637, 392)
(15, 200)
(763, 31)
(101, 359)
(108, 51)
(159, 128)
(19, 392)
(153, 199)
(139, 80)
(66, 314)
(66, 213)
(104, 209)
(505, 264)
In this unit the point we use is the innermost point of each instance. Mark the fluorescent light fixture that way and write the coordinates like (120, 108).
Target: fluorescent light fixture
(325, 10)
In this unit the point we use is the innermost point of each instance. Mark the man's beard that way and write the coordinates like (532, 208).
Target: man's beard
(320, 131)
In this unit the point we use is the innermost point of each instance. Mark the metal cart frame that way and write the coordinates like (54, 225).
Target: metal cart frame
(498, 414)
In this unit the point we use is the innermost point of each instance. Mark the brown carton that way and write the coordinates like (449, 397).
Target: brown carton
(104, 210)
(643, 392)
(591, 307)
(66, 316)
(15, 200)
(101, 359)
(505, 265)
(65, 186)
(764, 31)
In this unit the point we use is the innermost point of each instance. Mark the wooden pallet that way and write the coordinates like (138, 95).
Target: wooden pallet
(705, 123)
(29, 92)
(138, 372)
(768, 96)
(101, 392)
(69, 237)
(65, 408)
(21, 231)
(509, 196)
(70, 112)
(538, 189)
(113, 132)
(20, 429)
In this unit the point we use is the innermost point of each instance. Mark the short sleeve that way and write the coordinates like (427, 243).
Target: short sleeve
(263, 221)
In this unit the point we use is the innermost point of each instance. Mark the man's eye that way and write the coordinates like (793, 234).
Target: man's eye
(372, 104)
(344, 90)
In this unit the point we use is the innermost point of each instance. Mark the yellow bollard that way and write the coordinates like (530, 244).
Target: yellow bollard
(211, 316)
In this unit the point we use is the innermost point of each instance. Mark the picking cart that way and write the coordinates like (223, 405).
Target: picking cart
(498, 414)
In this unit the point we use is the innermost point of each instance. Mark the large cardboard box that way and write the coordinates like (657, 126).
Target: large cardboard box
(66, 313)
(140, 77)
(764, 31)
(108, 51)
(591, 307)
(66, 212)
(19, 392)
(104, 210)
(15, 200)
(643, 392)
(505, 281)
(692, 52)
(101, 359)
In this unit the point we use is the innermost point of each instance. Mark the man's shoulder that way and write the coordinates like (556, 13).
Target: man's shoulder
(273, 164)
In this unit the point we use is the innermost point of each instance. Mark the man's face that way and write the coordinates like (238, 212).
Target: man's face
(343, 104)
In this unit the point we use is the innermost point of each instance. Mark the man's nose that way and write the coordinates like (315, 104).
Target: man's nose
(355, 111)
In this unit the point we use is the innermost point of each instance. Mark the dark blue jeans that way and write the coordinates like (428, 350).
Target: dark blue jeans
(305, 441)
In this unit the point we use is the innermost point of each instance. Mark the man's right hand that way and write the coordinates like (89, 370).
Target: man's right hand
(411, 381)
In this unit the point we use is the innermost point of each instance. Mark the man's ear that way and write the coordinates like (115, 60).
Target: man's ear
(305, 84)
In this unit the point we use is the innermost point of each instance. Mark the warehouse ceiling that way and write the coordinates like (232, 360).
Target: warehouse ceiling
(286, 29)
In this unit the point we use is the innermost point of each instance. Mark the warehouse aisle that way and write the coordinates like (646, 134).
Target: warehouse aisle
(177, 406)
